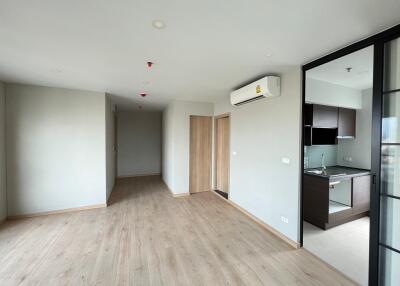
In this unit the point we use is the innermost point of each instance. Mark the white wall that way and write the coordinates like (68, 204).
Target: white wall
(326, 93)
(177, 132)
(359, 149)
(3, 194)
(139, 143)
(263, 132)
(55, 148)
(110, 146)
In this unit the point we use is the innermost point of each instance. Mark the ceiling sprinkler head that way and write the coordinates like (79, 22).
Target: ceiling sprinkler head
(143, 94)
(140, 107)
(349, 69)
(150, 64)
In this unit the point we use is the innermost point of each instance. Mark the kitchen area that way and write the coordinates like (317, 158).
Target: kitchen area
(336, 184)
(332, 194)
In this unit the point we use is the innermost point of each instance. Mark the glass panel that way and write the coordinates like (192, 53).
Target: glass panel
(390, 222)
(391, 118)
(389, 232)
(390, 170)
(392, 65)
(389, 267)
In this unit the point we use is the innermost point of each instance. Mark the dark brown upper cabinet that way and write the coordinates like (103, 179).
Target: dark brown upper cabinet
(324, 124)
(346, 123)
(321, 116)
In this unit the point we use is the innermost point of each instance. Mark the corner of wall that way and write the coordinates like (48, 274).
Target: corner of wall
(3, 152)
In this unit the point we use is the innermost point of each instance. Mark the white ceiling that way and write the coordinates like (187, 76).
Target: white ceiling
(208, 47)
(361, 73)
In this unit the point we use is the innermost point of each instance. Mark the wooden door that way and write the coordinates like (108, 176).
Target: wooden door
(222, 135)
(200, 153)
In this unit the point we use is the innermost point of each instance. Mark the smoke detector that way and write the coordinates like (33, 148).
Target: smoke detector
(158, 24)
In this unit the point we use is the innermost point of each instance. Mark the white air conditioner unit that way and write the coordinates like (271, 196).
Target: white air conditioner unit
(268, 86)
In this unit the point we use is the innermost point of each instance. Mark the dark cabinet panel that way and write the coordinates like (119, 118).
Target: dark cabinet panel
(324, 124)
(315, 200)
(325, 116)
(324, 136)
(316, 197)
(361, 194)
(346, 123)
(307, 135)
(308, 115)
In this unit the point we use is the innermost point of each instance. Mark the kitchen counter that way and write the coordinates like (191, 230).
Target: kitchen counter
(336, 196)
(337, 172)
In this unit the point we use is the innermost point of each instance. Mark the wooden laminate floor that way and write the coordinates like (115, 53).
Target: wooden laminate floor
(147, 237)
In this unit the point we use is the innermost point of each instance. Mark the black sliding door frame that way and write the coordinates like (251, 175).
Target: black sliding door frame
(377, 41)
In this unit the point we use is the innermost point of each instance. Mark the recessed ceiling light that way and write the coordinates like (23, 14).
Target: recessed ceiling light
(158, 24)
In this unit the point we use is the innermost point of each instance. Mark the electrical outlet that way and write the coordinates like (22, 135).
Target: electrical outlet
(284, 219)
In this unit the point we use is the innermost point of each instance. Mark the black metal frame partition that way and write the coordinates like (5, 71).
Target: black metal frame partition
(377, 41)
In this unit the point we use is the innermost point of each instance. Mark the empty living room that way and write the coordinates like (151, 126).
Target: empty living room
(199, 142)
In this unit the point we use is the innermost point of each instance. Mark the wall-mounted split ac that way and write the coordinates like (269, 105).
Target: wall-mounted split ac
(269, 86)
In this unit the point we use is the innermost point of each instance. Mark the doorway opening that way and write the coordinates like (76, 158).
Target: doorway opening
(222, 153)
(384, 250)
(337, 162)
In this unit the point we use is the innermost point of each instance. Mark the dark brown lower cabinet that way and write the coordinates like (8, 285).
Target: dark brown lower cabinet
(316, 201)
(360, 197)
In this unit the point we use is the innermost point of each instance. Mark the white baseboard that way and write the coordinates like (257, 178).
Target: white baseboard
(89, 207)
(275, 232)
(175, 195)
(138, 175)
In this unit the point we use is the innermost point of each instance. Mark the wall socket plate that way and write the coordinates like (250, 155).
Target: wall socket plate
(347, 159)
(284, 219)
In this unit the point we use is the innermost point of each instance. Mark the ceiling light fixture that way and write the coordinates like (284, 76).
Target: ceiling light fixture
(158, 24)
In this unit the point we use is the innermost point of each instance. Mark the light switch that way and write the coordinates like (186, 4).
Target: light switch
(285, 160)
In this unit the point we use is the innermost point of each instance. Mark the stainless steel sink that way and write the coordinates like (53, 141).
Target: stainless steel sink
(317, 172)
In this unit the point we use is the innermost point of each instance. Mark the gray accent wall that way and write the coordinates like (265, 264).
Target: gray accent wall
(262, 134)
(110, 146)
(3, 193)
(168, 146)
(139, 143)
(55, 149)
(325, 93)
(359, 149)
(176, 134)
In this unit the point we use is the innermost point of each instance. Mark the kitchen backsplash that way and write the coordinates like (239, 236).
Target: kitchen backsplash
(313, 154)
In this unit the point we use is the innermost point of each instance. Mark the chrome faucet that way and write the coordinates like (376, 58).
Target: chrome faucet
(323, 167)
